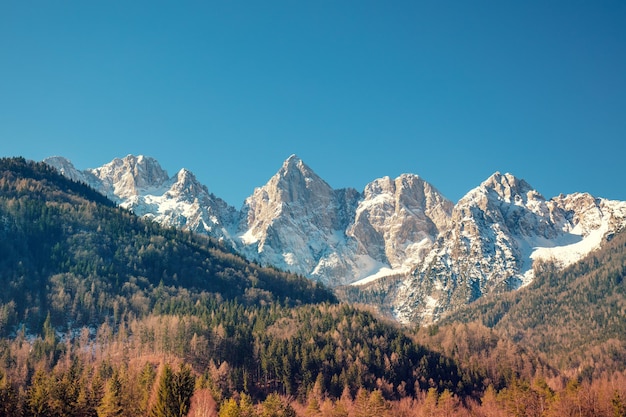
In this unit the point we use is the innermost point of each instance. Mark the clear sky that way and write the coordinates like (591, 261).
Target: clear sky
(450, 90)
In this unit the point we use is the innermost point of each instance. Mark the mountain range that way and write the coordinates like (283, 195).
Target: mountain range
(401, 238)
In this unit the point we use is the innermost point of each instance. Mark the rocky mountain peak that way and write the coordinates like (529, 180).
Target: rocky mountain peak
(509, 189)
(126, 177)
(293, 219)
(398, 219)
(65, 167)
(185, 185)
(295, 181)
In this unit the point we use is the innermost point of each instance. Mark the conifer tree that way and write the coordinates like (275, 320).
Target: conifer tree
(174, 393)
(361, 408)
(164, 400)
(111, 405)
(39, 394)
(183, 387)
(8, 397)
(246, 407)
(377, 406)
(273, 406)
(619, 408)
(230, 408)
(146, 381)
(313, 407)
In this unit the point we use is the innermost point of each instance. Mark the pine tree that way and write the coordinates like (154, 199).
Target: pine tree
(164, 400)
(313, 407)
(174, 393)
(376, 404)
(619, 408)
(361, 406)
(183, 386)
(38, 394)
(8, 397)
(230, 408)
(111, 405)
(146, 381)
(246, 407)
(273, 406)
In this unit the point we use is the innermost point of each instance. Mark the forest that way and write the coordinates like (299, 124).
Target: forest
(103, 313)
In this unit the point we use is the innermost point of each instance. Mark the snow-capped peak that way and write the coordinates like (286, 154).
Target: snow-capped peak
(509, 187)
(130, 176)
(295, 181)
(65, 167)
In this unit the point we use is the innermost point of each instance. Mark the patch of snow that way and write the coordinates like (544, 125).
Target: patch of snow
(290, 258)
(568, 252)
(370, 270)
(248, 238)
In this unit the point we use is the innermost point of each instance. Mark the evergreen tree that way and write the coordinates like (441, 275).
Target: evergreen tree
(273, 406)
(146, 380)
(313, 407)
(182, 390)
(619, 408)
(111, 405)
(39, 394)
(8, 397)
(164, 400)
(230, 408)
(377, 406)
(174, 392)
(246, 407)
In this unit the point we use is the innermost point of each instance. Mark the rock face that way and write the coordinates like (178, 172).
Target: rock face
(297, 221)
(398, 220)
(496, 233)
(441, 254)
(139, 184)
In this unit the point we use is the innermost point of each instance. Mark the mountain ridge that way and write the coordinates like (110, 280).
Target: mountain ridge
(448, 254)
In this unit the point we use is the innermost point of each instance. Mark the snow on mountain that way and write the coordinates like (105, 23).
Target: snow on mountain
(297, 221)
(131, 177)
(498, 230)
(440, 255)
(397, 221)
(66, 168)
(138, 183)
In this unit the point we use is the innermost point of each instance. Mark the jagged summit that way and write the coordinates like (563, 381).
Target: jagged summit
(140, 184)
(129, 176)
(398, 219)
(186, 185)
(65, 167)
(296, 181)
(293, 164)
(295, 221)
(293, 159)
(508, 187)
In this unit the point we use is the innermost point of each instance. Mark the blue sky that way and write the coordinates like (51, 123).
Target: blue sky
(450, 90)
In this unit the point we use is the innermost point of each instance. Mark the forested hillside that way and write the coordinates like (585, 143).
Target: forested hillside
(575, 317)
(105, 314)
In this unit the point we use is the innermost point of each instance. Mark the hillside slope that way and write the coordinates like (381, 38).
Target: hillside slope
(70, 252)
(575, 316)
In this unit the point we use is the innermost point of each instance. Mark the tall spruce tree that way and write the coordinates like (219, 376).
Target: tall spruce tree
(162, 406)
(174, 392)
(111, 405)
(183, 387)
